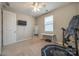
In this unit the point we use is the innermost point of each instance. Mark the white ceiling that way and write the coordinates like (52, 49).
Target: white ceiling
(24, 7)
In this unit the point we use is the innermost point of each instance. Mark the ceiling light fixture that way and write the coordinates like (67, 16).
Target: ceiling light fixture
(37, 6)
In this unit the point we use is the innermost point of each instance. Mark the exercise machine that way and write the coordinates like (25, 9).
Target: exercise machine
(66, 42)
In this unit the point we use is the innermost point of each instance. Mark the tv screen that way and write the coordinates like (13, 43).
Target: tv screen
(22, 23)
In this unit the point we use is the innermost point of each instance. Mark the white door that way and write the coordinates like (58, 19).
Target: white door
(9, 27)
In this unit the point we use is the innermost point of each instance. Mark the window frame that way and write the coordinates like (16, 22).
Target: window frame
(49, 24)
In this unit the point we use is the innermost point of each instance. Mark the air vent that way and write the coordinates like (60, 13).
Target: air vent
(6, 4)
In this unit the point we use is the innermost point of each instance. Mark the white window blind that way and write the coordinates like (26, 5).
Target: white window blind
(48, 22)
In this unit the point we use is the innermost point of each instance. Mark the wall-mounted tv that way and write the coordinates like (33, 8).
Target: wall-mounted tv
(21, 22)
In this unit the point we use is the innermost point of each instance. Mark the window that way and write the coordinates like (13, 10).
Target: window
(48, 23)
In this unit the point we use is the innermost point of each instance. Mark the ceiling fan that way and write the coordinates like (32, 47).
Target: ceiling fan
(37, 6)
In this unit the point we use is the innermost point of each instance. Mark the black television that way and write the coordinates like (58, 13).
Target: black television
(22, 23)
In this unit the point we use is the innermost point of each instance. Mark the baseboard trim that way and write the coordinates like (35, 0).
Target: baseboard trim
(19, 41)
(23, 40)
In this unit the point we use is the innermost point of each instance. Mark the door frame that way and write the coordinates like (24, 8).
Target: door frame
(1, 31)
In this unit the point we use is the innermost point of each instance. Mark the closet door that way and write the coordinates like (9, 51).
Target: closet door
(9, 27)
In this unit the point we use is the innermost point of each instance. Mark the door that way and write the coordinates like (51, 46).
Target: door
(9, 27)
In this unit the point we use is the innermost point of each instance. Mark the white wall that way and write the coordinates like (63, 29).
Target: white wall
(25, 32)
(62, 16)
(78, 8)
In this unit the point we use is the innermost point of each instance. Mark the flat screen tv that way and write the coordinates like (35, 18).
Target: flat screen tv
(22, 23)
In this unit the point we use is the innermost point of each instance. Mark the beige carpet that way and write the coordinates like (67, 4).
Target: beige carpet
(30, 47)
